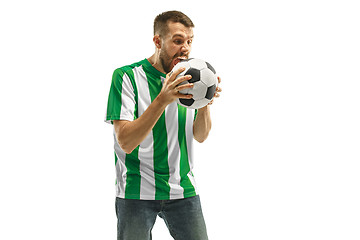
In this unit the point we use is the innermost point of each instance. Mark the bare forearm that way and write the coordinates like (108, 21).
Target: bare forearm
(131, 133)
(202, 124)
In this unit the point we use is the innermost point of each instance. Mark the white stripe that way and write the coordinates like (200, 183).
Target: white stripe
(127, 100)
(189, 143)
(171, 117)
(145, 155)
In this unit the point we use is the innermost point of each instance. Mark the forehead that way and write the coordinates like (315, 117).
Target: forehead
(179, 29)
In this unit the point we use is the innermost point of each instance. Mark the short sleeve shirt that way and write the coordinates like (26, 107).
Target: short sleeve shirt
(160, 168)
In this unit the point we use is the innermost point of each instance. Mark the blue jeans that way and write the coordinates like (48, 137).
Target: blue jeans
(183, 217)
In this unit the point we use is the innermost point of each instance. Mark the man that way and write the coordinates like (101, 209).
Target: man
(153, 138)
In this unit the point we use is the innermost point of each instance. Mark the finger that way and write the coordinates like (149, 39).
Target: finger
(218, 89)
(186, 96)
(219, 79)
(184, 86)
(173, 74)
(182, 79)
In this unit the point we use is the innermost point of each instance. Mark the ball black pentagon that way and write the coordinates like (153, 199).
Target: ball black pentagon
(210, 67)
(210, 92)
(203, 75)
(186, 102)
(195, 73)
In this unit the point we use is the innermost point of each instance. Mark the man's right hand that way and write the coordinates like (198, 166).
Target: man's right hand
(170, 90)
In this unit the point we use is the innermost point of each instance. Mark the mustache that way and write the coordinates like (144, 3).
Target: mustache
(181, 55)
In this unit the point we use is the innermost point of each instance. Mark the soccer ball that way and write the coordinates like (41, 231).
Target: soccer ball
(204, 79)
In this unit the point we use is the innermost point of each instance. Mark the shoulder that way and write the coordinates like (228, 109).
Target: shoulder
(128, 69)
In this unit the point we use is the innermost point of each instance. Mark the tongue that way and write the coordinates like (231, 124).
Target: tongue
(174, 62)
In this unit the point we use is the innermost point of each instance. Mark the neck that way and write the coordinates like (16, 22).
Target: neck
(155, 62)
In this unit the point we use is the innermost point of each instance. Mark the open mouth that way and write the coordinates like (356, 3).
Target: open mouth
(179, 59)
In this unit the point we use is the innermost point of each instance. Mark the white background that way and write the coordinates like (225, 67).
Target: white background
(281, 162)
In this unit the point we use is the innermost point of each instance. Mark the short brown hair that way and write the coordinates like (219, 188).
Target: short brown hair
(161, 20)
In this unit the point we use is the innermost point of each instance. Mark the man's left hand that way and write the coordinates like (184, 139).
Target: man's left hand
(217, 91)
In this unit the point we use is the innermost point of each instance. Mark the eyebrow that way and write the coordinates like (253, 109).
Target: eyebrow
(182, 36)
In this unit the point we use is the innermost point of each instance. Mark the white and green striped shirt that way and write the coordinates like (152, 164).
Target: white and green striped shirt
(160, 168)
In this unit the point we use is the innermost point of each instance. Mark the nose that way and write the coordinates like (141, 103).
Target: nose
(185, 48)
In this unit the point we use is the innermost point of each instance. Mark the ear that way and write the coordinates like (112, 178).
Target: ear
(157, 41)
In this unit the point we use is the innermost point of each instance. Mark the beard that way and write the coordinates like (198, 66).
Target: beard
(167, 61)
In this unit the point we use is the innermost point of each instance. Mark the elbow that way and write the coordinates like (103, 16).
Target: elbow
(128, 150)
(125, 147)
(201, 139)
(123, 139)
(201, 136)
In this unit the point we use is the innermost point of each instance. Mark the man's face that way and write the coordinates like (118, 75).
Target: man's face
(176, 45)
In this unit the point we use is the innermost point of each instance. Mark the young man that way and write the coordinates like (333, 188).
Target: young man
(153, 138)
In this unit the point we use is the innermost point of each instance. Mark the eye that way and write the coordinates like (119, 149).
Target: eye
(178, 41)
(190, 42)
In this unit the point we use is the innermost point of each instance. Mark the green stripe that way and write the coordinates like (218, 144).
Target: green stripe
(185, 182)
(161, 165)
(133, 178)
